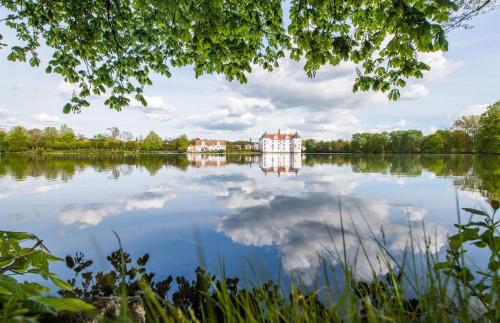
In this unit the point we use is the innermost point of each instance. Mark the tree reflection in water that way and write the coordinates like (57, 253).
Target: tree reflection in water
(474, 172)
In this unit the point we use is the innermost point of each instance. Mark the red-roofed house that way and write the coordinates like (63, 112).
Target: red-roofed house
(204, 145)
(280, 143)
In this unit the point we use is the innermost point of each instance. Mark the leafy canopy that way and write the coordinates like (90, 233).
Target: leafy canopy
(111, 48)
(488, 134)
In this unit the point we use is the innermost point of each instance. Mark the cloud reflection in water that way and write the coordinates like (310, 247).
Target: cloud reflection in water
(302, 227)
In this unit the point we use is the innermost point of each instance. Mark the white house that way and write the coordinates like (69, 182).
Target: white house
(281, 164)
(207, 160)
(280, 143)
(207, 145)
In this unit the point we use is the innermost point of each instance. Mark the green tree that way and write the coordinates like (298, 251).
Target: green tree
(114, 46)
(405, 141)
(309, 145)
(50, 137)
(359, 142)
(68, 137)
(488, 134)
(36, 137)
(455, 141)
(152, 142)
(432, 144)
(369, 142)
(18, 139)
(3, 143)
(182, 143)
(377, 143)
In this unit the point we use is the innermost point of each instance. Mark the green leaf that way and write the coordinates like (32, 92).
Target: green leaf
(67, 304)
(37, 305)
(475, 211)
(442, 265)
(60, 283)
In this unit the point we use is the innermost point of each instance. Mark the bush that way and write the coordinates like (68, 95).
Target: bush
(24, 253)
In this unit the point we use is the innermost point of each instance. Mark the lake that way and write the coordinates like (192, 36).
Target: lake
(270, 215)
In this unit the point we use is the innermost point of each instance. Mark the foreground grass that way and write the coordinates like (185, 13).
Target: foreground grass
(425, 289)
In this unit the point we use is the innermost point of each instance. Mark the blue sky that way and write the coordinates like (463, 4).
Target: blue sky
(463, 80)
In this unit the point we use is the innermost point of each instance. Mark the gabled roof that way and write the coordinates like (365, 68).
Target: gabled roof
(280, 136)
(209, 142)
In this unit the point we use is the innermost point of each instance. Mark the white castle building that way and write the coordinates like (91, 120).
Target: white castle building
(280, 143)
(281, 164)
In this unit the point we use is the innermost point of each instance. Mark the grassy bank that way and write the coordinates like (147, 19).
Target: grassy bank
(401, 289)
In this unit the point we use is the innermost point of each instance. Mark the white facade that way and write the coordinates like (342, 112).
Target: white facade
(281, 164)
(207, 145)
(280, 143)
(207, 160)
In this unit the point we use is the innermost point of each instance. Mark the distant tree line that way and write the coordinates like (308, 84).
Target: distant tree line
(469, 134)
(54, 139)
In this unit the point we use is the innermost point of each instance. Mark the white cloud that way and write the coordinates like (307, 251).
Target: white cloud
(333, 123)
(474, 110)
(235, 113)
(402, 123)
(302, 228)
(7, 120)
(66, 89)
(83, 216)
(289, 87)
(47, 188)
(414, 91)
(13, 85)
(154, 103)
(415, 213)
(45, 117)
(440, 65)
(156, 109)
(154, 198)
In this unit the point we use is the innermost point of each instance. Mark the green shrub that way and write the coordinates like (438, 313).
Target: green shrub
(20, 254)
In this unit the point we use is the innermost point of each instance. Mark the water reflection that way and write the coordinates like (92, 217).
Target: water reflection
(84, 215)
(304, 227)
(206, 160)
(239, 208)
(474, 173)
(281, 164)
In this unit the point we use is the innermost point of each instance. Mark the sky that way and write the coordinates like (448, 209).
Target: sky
(462, 81)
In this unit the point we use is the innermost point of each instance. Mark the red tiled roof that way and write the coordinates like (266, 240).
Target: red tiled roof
(280, 136)
(209, 142)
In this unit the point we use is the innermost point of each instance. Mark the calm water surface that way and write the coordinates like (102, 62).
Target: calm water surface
(277, 212)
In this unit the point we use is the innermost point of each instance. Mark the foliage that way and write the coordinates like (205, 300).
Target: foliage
(179, 144)
(23, 301)
(152, 142)
(17, 139)
(488, 135)
(480, 231)
(369, 142)
(114, 46)
(432, 143)
(405, 141)
(455, 141)
(3, 144)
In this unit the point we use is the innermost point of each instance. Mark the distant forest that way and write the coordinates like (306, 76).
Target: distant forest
(470, 134)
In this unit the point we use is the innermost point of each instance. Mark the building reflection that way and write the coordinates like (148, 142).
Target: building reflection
(281, 164)
(206, 160)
